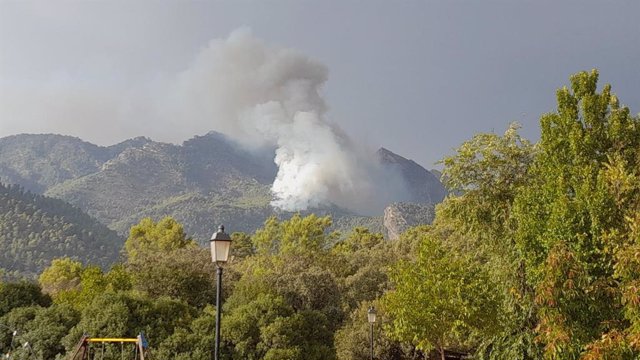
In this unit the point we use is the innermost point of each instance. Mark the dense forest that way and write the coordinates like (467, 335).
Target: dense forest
(533, 255)
(35, 229)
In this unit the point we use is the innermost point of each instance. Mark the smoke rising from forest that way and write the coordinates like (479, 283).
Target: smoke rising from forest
(265, 95)
(258, 94)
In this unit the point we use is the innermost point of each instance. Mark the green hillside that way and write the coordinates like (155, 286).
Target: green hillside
(203, 182)
(37, 162)
(35, 229)
(206, 181)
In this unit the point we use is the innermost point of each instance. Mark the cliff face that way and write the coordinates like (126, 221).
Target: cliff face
(398, 217)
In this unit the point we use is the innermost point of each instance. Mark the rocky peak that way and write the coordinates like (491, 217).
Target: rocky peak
(137, 142)
(387, 156)
(423, 186)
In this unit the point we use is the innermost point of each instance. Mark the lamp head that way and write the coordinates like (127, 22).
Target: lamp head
(220, 246)
(371, 315)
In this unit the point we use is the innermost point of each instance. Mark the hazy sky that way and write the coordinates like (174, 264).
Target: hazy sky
(417, 77)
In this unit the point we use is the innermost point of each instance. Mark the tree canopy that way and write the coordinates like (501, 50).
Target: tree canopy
(534, 254)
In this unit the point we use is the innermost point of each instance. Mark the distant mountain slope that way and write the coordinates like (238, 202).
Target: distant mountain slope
(39, 161)
(212, 158)
(35, 229)
(207, 180)
(203, 182)
(136, 179)
(424, 187)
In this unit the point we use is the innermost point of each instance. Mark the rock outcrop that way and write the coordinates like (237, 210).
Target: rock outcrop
(398, 217)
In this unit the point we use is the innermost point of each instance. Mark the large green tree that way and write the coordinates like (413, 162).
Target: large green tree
(286, 303)
(186, 274)
(163, 261)
(441, 299)
(22, 293)
(126, 314)
(69, 282)
(149, 236)
(576, 223)
(485, 176)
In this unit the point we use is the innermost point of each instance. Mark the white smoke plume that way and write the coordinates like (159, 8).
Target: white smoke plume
(265, 95)
(258, 94)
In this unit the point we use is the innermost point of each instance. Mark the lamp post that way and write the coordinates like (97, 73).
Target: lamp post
(220, 245)
(371, 316)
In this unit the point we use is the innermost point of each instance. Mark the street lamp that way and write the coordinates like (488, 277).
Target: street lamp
(371, 316)
(220, 245)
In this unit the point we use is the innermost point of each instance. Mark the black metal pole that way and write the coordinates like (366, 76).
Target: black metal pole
(218, 311)
(371, 341)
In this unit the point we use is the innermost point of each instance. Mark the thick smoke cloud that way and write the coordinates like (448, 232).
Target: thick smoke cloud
(258, 94)
(265, 95)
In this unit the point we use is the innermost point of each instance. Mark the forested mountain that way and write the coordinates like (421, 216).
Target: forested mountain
(206, 181)
(35, 229)
(203, 182)
(37, 162)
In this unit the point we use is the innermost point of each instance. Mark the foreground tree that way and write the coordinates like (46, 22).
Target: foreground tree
(286, 303)
(43, 328)
(485, 175)
(577, 225)
(186, 274)
(70, 283)
(149, 237)
(556, 227)
(62, 275)
(440, 300)
(126, 314)
(19, 294)
(352, 340)
(163, 261)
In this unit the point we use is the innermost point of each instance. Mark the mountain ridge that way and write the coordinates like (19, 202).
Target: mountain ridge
(204, 181)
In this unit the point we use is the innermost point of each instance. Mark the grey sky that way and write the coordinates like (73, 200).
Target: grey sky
(418, 77)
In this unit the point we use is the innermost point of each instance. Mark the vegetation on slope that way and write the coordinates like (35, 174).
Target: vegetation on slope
(35, 229)
(286, 293)
(534, 256)
(37, 162)
(205, 181)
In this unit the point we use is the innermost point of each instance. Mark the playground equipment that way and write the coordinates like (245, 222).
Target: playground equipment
(94, 348)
